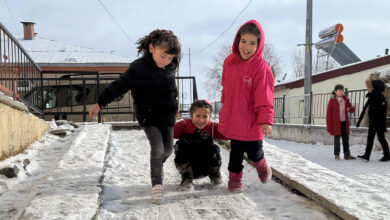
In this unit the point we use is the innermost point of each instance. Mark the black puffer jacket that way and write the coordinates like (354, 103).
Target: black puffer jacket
(377, 107)
(153, 89)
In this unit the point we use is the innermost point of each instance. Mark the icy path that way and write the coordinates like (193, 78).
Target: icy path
(126, 192)
(72, 190)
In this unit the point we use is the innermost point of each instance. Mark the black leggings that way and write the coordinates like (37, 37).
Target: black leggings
(161, 147)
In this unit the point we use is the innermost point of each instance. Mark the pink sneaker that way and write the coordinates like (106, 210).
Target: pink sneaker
(157, 194)
(234, 184)
(263, 170)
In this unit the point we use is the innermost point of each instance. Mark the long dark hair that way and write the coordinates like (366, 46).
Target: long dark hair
(159, 37)
(248, 28)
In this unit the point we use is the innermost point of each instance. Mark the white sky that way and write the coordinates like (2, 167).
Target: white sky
(198, 23)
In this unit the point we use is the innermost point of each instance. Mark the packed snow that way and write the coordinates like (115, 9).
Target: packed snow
(98, 172)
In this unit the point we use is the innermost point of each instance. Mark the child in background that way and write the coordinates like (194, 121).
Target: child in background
(377, 120)
(196, 153)
(151, 80)
(337, 122)
(247, 98)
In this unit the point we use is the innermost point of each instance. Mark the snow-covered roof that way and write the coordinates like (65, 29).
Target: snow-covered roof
(53, 52)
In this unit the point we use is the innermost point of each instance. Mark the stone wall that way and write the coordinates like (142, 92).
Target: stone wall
(18, 127)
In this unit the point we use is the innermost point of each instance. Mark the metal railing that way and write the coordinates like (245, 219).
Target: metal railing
(68, 95)
(290, 109)
(19, 75)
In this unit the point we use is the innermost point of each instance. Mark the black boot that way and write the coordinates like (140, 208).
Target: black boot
(364, 157)
(385, 158)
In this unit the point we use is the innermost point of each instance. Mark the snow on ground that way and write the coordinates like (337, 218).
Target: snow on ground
(126, 192)
(360, 187)
(44, 154)
(374, 173)
(62, 182)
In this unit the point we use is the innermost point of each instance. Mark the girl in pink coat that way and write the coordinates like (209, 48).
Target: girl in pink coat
(247, 98)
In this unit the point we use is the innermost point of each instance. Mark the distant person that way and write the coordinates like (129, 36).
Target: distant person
(196, 153)
(151, 80)
(377, 107)
(337, 122)
(247, 98)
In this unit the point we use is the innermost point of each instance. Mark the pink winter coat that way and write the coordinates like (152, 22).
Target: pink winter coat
(247, 94)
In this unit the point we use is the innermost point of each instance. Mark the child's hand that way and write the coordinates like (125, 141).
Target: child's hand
(266, 129)
(93, 111)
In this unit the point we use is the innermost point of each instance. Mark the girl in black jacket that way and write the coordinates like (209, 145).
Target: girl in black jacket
(151, 80)
(377, 107)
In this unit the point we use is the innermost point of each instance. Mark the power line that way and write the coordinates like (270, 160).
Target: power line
(220, 35)
(112, 17)
(12, 18)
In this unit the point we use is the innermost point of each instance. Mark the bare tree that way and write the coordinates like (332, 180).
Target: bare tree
(298, 62)
(273, 60)
(214, 74)
(323, 63)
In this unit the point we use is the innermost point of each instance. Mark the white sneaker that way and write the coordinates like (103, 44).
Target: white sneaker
(157, 194)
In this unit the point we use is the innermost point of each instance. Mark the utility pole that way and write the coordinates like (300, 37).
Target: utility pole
(189, 62)
(308, 62)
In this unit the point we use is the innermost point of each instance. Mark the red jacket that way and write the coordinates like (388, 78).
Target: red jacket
(186, 126)
(333, 115)
(247, 94)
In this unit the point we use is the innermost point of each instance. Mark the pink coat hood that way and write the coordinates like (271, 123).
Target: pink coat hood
(247, 94)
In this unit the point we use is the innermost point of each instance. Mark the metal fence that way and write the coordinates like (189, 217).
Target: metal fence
(19, 75)
(68, 95)
(290, 109)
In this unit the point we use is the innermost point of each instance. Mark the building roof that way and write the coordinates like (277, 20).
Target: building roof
(341, 71)
(50, 52)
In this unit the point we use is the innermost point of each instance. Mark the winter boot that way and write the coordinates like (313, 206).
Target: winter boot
(263, 170)
(215, 176)
(364, 157)
(385, 158)
(349, 157)
(234, 184)
(186, 182)
(157, 194)
(187, 176)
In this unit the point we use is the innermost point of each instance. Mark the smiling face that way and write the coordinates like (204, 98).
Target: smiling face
(160, 57)
(201, 117)
(247, 45)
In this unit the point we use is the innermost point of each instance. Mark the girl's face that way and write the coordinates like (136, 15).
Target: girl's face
(339, 93)
(200, 117)
(161, 58)
(247, 45)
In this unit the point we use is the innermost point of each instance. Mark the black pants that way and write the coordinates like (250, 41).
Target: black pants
(345, 139)
(253, 149)
(381, 138)
(201, 157)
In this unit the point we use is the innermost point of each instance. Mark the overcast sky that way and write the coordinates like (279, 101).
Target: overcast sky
(198, 23)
